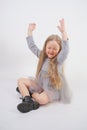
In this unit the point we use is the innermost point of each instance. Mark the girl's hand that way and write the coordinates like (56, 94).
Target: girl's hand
(61, 27)
(31, 28)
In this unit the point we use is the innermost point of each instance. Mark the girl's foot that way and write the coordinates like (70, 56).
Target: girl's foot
(27, 105)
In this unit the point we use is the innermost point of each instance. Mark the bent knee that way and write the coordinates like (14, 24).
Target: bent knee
(43, 100)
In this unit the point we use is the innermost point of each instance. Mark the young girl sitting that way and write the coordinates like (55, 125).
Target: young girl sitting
(49, 85)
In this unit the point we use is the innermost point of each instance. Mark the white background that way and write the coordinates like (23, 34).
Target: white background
(16, 60)
(15, 15)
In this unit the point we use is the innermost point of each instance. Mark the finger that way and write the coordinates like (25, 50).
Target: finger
(32, 24)
(59, 27)
(62, 19)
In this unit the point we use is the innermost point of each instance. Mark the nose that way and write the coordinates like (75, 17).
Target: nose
(51, 50)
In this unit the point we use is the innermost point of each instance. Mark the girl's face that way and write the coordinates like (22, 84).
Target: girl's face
(52, 49)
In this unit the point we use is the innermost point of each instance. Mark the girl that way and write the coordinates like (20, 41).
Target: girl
(49, 84)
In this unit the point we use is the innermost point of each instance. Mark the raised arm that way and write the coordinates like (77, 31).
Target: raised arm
(65, 45)
(30, 40)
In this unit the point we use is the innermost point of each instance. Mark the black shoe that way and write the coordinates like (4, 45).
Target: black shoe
(27, 105)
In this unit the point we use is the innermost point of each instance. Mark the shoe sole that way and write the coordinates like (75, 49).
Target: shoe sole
(25, 107)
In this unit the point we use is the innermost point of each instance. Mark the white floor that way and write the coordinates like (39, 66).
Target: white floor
(55, 116)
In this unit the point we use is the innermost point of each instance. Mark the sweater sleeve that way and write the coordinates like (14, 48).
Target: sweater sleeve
(63, 53)
(32, 46)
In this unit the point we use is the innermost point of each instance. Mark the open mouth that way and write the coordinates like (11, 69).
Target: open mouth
(50, 54)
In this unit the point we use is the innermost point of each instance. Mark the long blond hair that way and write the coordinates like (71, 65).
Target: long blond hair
(52, 68)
